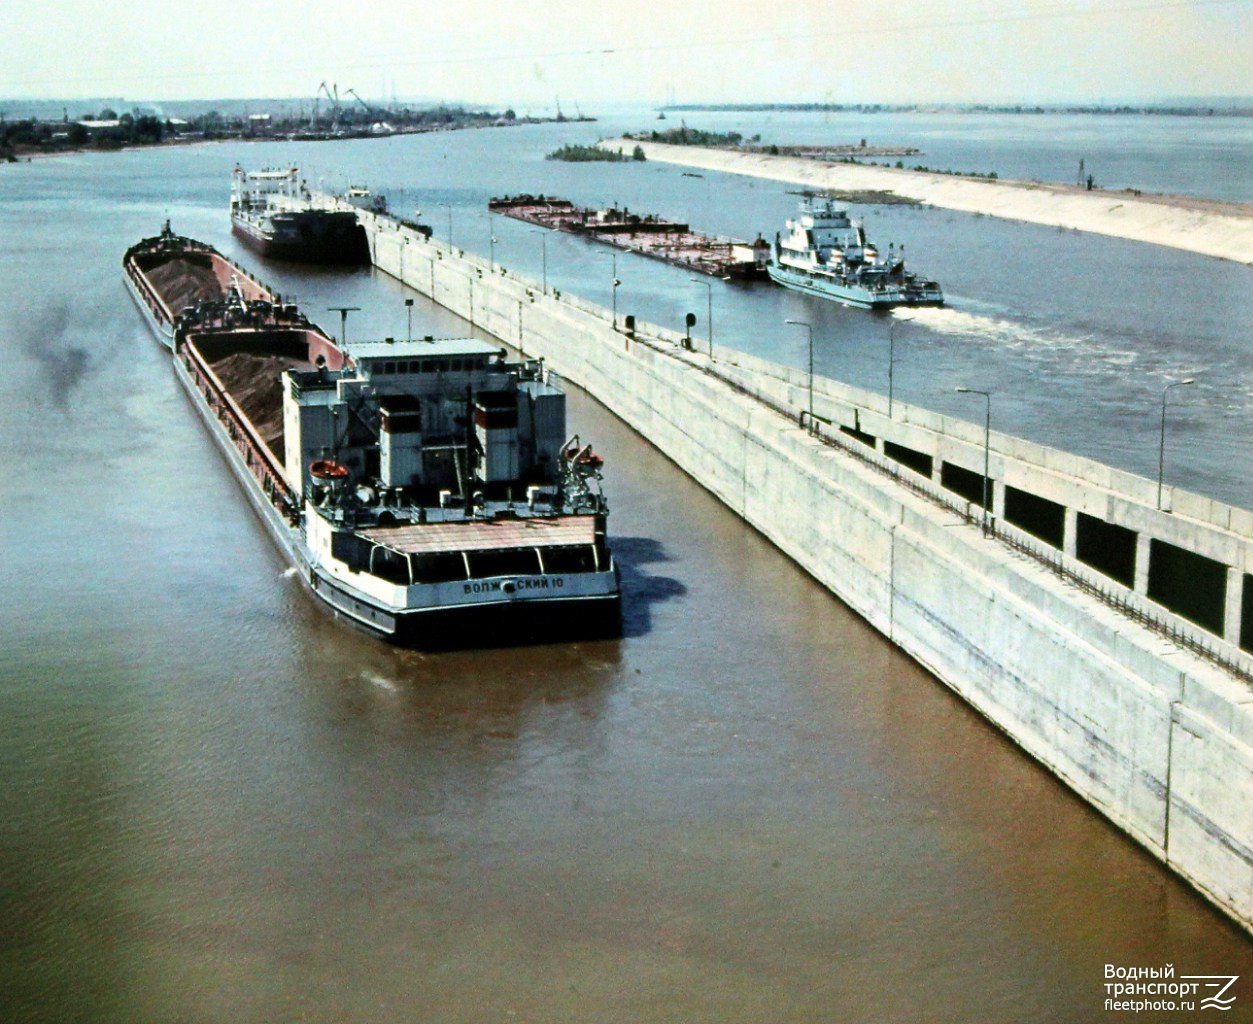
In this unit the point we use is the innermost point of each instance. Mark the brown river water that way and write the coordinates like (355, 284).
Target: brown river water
(221, 805)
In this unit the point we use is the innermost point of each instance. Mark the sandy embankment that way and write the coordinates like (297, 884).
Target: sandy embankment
(1205, 226)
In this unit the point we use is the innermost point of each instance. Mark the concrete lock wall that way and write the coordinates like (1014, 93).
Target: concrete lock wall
(1146, 714)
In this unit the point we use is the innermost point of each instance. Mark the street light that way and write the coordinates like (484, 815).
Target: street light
(543, 239)
(491, 258)
(343, 312)
(987, 448)
(448, 207)
(892, 354)
(409, 311)
(709, 307)
(614, 256)
(808, 327)
(1161, 444)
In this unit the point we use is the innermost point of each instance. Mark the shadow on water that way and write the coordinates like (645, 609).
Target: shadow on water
(642, 589)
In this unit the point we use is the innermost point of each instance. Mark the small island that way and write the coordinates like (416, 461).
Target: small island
(685, 136)
(579, 154)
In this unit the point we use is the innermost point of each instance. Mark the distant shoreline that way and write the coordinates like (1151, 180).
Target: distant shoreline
(1243, 109)
(1206, 226)
(24, 152)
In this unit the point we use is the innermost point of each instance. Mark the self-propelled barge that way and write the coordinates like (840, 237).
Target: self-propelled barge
(424, 490)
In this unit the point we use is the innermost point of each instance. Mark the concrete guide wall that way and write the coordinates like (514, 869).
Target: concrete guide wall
(1154, 735)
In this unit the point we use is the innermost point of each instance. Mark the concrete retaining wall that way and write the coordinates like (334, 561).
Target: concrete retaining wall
(1156, 736)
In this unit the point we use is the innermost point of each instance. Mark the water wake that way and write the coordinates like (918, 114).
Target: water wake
(382, 682)
(1003, 332)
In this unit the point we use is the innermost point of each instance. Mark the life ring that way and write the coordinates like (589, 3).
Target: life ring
(328, 469)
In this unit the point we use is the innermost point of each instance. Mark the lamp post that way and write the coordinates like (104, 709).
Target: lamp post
(409, 311)
(808, 327)
(615, 283)
(892, 356)
(987, 448)
(709, 311)
(448, 207)
(1161, 444)
(491, 245)
(343, 312)
(543, 241)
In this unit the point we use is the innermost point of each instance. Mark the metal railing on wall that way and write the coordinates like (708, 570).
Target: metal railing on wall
(1122, 599)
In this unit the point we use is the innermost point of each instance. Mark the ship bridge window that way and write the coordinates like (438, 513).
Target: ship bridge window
(572, 558)
(455, 365)
(442, 567)
(351, 549)
(389, 367)
(390, 565)
(509, 562)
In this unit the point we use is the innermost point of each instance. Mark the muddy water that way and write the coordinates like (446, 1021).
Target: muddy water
(219, 804)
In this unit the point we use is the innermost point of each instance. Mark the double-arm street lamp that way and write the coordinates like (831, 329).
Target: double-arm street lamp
(343, 312)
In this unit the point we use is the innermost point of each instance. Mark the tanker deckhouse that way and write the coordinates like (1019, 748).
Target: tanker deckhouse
(443, 502)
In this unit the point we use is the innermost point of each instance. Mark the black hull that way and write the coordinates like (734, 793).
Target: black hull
(340, 244)
(471, 627)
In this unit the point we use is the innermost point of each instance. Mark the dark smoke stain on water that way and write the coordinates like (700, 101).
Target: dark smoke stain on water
(220, 804)
(50, 340)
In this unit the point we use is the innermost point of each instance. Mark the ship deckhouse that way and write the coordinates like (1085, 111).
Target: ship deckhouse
(424, 417)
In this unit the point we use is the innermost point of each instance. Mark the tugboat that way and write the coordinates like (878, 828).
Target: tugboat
(272, 213)
(424, 490)
(825, 253)
(363, 199)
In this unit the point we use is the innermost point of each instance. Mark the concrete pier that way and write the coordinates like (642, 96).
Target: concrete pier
(1108, 637)
(1204, 226)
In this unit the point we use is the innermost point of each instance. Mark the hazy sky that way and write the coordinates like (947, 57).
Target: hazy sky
(526, 53)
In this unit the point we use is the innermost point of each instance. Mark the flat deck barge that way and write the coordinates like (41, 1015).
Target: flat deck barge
(646, 234)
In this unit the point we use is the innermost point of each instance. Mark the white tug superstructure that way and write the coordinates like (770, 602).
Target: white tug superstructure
(825, 253)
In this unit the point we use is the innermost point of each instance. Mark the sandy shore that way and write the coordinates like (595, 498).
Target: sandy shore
(1224, 230)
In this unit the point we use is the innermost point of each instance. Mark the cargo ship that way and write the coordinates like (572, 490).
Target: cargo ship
(825, 253)
(271, 212)
(424, 490)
